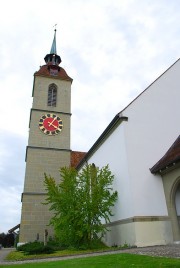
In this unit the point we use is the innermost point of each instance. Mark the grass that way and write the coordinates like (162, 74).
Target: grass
(20, 256)
(123, 260)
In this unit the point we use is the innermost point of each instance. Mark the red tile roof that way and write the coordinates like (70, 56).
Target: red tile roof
(172, 156)
(45, 71)
(76, 157)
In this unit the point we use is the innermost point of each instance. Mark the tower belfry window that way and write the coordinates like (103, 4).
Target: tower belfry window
(52, 95)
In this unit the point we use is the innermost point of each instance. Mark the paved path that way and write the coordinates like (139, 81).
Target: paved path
(172, 251)
(4, 252)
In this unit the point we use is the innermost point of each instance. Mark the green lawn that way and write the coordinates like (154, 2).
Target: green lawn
(110, 261)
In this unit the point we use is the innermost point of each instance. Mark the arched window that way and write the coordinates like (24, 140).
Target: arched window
(52, 95)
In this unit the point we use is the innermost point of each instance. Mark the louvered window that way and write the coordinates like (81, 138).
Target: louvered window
(52, 95)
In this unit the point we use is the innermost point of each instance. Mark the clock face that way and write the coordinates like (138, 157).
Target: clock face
(50, 124)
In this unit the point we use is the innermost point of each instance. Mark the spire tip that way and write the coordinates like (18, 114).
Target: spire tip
(55, 27)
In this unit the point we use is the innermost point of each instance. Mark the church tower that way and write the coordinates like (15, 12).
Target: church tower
(48, 145)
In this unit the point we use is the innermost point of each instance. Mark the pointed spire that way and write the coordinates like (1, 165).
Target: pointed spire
(53, 58)
(53, 47)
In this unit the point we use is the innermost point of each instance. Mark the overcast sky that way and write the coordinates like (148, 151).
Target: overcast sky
(113, 49)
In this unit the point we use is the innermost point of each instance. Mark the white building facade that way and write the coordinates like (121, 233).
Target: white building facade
(134, 141)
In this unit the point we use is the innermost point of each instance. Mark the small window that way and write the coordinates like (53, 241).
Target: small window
(52, 95)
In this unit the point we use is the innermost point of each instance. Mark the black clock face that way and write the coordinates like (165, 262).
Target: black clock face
(50, 124)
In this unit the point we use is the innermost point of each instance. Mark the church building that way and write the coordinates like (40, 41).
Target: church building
(141, 145)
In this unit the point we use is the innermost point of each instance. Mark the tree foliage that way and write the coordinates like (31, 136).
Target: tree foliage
(6, 240)
(80, 202)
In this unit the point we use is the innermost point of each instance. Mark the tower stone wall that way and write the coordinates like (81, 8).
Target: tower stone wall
(45, 153)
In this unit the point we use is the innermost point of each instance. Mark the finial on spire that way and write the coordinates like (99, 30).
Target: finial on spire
(55, 26)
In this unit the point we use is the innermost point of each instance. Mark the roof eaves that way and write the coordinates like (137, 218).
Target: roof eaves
(160, 168)
(117, 119)
(166, 169)
(14, 228)
(170, 159)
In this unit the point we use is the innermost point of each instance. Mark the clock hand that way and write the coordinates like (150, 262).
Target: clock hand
(50, 123)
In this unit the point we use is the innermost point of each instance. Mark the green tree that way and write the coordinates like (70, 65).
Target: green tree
(6, 240)
(80, 202)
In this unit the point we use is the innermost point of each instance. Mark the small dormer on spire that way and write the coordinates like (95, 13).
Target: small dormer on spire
(53, 58)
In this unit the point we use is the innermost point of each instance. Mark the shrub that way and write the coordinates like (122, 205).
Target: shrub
(56, 245)
(35, 248)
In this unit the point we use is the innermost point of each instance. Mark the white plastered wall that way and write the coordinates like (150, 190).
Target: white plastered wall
(113, 153)
(131, 150)
(151, 129)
